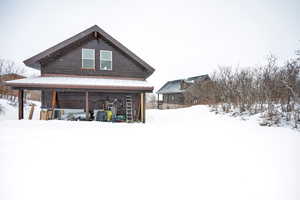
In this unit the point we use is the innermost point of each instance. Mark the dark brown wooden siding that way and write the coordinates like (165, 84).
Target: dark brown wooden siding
(70, 62)
(175, 98)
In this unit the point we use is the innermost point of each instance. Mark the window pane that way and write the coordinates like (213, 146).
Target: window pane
(88, 54)
(106, 65)
(105, 55)
(88, 63)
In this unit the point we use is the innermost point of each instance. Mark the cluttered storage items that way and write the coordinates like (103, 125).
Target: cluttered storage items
(103, 108)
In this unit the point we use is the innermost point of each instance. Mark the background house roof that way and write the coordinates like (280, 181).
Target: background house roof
(11, 76)
(198, 78)
(175, 85)
(34, 62)
(171, 87)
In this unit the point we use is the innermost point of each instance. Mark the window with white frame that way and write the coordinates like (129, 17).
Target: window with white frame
(88, 58)
(105, 60)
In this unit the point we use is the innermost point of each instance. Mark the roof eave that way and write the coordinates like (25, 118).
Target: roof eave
(178, 92)
(33, 61)
(123, 48)
(73, 86)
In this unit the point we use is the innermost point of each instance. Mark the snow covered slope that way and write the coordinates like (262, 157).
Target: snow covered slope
(186, 153)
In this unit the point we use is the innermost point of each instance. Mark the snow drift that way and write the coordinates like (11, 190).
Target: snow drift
(186, 153)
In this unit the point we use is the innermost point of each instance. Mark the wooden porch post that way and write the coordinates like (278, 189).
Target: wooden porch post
(143, 108)
(53, 102)
(87, 114)
(157, 101)
(21, 103)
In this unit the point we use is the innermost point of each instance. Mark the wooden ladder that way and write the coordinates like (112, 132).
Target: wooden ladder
(129, 116)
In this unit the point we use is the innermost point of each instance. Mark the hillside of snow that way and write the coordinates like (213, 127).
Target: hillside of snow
(188, 153)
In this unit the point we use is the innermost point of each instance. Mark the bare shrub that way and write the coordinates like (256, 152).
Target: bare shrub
(270, 89)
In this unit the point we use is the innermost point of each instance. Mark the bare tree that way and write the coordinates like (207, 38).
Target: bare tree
(8, 67)
(151, 100)
(270, 89)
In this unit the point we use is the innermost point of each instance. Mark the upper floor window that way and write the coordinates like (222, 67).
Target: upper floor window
(105, 60)
(88, 58)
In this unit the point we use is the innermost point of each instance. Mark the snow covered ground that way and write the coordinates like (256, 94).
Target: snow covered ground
(188, 153)
(10, 110)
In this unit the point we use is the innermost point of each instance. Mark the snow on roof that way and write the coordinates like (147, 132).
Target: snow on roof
(197, 78)
(81, 82)
(171, 87)
(175, 86)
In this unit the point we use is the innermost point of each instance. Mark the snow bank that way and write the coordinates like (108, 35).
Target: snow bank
(276, 118)
(187, 153)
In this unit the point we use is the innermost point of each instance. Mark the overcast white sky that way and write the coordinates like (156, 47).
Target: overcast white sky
(178, 38)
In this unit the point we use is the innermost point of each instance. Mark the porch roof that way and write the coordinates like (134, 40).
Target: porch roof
(81, 83)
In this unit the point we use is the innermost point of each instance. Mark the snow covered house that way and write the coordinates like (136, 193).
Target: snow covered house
(89, 71)
(181, 92)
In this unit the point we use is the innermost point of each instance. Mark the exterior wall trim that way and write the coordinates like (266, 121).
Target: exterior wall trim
(87, 76)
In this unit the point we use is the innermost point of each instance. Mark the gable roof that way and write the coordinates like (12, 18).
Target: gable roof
(171, 87)
(34, 62)
(175, 85)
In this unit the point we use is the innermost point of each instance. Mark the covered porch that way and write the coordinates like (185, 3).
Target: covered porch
(121, 99)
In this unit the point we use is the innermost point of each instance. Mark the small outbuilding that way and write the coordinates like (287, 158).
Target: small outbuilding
(181, 92)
